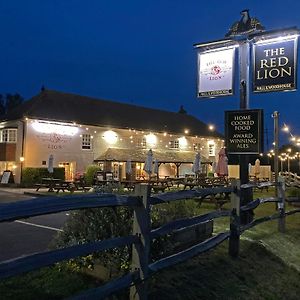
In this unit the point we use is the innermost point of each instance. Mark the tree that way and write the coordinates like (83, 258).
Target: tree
(2, 105)
(13, 101)
(9, 102)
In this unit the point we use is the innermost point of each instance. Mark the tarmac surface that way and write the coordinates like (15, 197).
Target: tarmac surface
(27, 236)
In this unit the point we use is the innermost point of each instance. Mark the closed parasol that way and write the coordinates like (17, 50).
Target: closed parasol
(257, 168)
(50, 163)
(148, 162)
(196, 164)
(222, 166)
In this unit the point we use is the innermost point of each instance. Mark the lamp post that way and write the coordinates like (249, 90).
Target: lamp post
(22, 159)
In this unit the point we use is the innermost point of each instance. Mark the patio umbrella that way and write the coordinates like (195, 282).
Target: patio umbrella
(222, 166)
(196, 164)
(249, 168)
(50, 163)
(257, 168)
(148, 162)
(128, 167)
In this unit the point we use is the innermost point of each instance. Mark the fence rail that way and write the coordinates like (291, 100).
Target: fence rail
(142, 233)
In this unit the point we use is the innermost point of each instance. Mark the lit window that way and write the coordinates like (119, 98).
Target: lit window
(211, 148)
(174, 144)
(86, 141)
(197, 147)
(141, 143)
(8, 135)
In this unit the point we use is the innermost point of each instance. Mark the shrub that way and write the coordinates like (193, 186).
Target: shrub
(104, 223)
(30, 176)
(89, 174)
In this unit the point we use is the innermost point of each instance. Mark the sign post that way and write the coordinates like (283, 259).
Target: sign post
(274, 69)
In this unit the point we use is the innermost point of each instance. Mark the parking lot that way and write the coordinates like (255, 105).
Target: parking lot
(26, 236)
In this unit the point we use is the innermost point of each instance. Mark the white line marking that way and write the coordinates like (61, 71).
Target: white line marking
(37, 225)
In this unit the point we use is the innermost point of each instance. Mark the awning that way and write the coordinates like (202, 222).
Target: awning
(139, 155)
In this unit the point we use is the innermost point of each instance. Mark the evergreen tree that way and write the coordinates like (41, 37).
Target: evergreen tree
(12, 101)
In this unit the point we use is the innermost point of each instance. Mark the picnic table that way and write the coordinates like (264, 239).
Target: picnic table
(48, 183)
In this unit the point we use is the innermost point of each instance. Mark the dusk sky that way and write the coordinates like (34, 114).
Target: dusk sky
(139, 52)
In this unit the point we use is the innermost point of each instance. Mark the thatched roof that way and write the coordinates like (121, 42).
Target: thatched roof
(139, 155)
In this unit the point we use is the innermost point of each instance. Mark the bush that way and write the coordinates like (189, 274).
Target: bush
(99, 224)
(30, 176)
(89, 174)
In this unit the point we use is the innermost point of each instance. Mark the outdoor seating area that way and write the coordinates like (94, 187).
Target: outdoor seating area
(57, 185)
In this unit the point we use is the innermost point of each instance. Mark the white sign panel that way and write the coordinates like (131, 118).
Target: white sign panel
(215, 73)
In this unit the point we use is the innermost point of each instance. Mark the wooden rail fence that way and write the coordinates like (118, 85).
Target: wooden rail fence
(142, 234)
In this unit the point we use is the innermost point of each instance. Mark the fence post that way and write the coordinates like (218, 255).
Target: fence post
(234, 238)
(281, 204)
(140, 251)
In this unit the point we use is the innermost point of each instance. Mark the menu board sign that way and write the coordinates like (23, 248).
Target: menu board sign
(244, 131)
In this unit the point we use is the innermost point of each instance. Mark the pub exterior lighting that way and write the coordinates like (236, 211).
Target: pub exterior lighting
(22, 159)
(151, 139)
(110, 137)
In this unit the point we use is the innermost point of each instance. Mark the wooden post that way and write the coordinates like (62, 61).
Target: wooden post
(140, 251)
(281, 203)
(234, 238)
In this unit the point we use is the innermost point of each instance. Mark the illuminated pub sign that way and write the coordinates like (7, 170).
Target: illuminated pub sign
(244, 131)
(215, 72)
(274, 65)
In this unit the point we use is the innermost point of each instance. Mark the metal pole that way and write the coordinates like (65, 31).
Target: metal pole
(244, 62)
(276, 147)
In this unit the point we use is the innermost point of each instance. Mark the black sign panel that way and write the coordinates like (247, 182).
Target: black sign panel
(274, 66)
(244, 131)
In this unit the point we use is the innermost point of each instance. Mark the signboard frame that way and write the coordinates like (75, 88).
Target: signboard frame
(266, 42)
(258, 113)
(217, 93)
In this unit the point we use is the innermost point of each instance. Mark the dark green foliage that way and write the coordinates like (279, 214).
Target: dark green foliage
(99, 224)
(10, 102)
(31, 176)
(96, 225)
(2, 105)
(89, 174)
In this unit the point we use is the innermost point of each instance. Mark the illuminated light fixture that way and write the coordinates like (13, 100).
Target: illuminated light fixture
(293, 138)
(92, 136)
(86, 128)
(22, 159)
(211, 127)
(182, 142)
(261, 154)
(47, 127)
(285, 128)
(110, 137)
(151, 139)
(14, 166)
(131, 137)
(276, 39)
(165, 134)
(95, 131)
(186, 131)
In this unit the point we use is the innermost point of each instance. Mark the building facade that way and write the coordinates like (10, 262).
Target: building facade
(79, 131)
